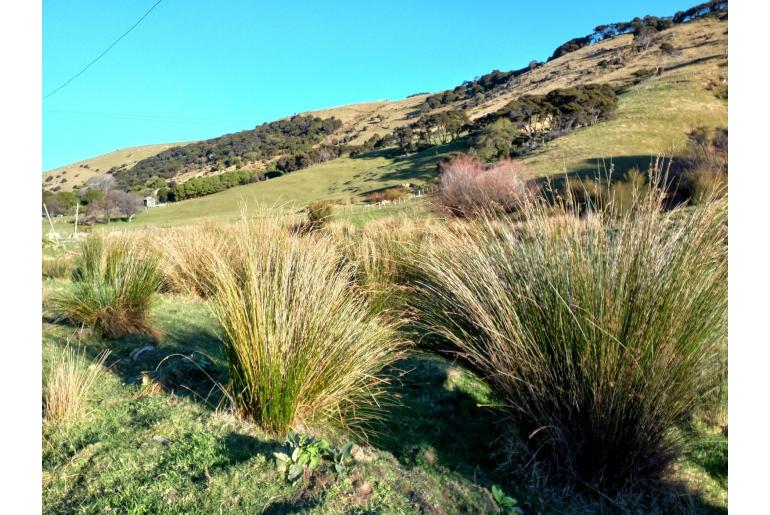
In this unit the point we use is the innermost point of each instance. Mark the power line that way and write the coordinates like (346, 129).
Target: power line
(78, 74)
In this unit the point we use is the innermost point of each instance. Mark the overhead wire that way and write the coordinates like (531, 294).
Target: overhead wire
(78, 74)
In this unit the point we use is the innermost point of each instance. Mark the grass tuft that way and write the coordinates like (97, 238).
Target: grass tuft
(600, 334)
(68, 383)
(115, 282)
(304, 347)
(57, 267)
(183, 265)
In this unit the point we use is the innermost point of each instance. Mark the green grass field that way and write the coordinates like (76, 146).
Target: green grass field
(341, 178)
(653, 118)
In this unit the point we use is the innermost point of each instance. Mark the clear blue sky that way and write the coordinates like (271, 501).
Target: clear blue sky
(196, 69)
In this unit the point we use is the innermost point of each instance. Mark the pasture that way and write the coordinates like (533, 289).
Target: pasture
(163, 430)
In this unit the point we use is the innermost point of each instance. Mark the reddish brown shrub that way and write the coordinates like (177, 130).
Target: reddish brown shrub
(468, 187)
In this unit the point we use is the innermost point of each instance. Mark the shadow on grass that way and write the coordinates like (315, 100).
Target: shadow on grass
(691, 62)
(709, 453)
(186, 360)
(446, 419)
(419, 166)
(600, 167)
(436, 423)
(239, 448)
(388, 153)
(292, 506)
(615, 169)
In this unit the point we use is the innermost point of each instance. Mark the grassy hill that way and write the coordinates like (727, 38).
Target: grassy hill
(655, 112)
(341, 179)
(68, 176)
(653, 118)
(161, 429)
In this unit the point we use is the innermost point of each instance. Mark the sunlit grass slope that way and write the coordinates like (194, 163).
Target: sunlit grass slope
(341, 178)
(652, 118)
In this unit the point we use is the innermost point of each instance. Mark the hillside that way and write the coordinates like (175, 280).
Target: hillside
(71, 175)
(342, 179)
(653, 117)
(664, 94)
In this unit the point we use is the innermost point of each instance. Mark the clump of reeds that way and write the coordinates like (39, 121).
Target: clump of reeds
(68, 382)
(114, 283)
(381, 250)
(184, 254)
(303, 345)
(57, 267)
(600, 332)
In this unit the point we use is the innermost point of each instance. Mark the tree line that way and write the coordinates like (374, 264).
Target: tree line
(644, 29)
(201, 186)
(470, 89)
(529, 121)
(282, 137)
(431, 129)
(101, 201)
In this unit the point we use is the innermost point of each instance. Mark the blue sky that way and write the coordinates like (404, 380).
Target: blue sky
(196, 69)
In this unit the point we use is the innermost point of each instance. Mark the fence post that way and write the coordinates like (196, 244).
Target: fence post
(53, 231)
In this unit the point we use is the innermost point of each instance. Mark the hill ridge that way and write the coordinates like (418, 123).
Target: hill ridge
(365, 120)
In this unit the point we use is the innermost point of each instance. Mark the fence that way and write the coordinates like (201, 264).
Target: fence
(408, 198)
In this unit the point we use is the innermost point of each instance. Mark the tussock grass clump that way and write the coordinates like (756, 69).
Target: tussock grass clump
(599, 334)
(185, 254)
(381, 249)
(57, 267)
(115, 282)
(318, 214)
(304, 348)
(68, 382)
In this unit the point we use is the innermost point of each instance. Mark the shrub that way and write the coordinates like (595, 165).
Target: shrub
(599, 335)
(303, 347)
(387, 195)
(115, 283)
(68, 381)
(318, 213)
(468, 187)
